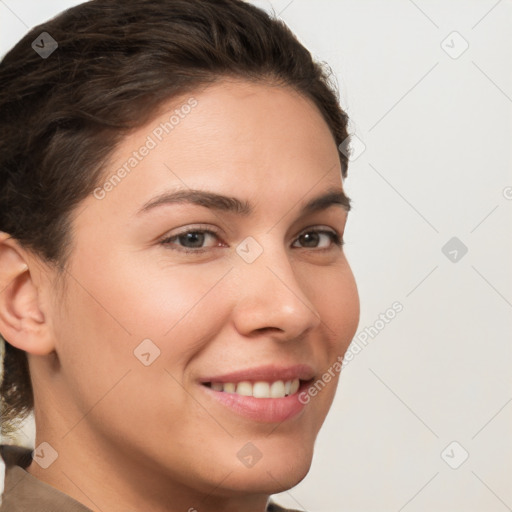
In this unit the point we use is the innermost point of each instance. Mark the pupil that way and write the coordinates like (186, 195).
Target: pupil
(308, 238)
(196, 239)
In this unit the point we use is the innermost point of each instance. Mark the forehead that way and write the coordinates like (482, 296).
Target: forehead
(233, 136)
(231, 111)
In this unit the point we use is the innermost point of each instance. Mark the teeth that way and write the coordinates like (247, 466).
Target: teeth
(277, 389)
(228, 388)
(294, 386)
(260, 389)
(244, 388)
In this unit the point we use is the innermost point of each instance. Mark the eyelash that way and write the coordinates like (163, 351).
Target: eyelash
(336, 239)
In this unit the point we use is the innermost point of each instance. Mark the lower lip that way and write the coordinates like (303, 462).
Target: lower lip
(266, 410)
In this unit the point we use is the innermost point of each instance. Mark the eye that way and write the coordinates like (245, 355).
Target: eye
(191, 240)
(319, 239)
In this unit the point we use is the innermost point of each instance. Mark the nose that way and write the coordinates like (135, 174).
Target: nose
(272, 299)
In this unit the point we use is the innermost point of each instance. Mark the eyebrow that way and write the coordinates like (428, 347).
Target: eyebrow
(332, 197)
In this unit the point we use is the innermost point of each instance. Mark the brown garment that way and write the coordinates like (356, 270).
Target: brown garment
(23, 492)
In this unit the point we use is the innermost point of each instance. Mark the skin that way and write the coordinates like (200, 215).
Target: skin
(133, 437)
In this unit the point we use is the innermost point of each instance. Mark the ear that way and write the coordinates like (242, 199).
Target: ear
(22, 319)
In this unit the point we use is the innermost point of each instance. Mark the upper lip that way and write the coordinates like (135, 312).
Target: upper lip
(269, 373)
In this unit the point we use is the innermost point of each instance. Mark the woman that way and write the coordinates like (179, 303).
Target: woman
(175, 298)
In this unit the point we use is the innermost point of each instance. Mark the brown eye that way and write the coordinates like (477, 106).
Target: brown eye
(191, 241)
(319, 239)
(194, 238)
(310, 239)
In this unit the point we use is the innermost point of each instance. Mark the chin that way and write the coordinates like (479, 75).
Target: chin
(278, 470)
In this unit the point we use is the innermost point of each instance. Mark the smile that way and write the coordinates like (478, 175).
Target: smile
(259, 389)
(268, 394)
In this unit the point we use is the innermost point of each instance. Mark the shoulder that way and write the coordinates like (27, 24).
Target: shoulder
(274, 507)
(23, 492)
(14, 455)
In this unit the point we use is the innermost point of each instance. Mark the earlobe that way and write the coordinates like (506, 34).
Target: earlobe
(22, 321)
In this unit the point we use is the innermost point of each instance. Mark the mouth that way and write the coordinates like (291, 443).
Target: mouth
(266, 394)
(258, 389)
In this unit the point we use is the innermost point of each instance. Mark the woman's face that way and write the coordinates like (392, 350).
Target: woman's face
(158, 328)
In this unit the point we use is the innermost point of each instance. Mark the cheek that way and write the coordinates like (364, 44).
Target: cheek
(178, 308)
(103, 324)
(337, 302)
(346, 310)
(148, 298)
(336, 299)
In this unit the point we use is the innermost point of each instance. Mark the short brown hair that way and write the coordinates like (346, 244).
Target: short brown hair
(117, 61)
